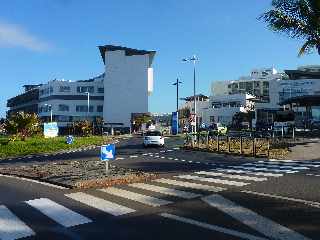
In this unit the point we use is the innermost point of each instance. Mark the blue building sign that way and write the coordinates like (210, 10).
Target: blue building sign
(108, 152)
(175, 123)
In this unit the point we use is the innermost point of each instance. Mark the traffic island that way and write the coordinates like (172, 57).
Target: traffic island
(79, 174)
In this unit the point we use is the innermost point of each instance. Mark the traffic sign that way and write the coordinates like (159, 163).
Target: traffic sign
(108, 152)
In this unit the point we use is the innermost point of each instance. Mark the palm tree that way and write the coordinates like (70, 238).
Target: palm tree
(298, 19)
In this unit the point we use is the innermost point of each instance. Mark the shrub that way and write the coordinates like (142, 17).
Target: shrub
(22, 125)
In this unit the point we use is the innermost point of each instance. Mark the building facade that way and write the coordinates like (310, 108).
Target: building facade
(128, 82)
(112, 97)
(68, 100)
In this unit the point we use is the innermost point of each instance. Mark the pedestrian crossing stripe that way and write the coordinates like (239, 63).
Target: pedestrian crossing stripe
(191, 185)
(212, 180)
(101, 204)
(275, 166)
(144, 199)
(290, 164)
(11, 227)
(264, 169)
(58, 213)
(240, 177)
(265, 174)
(165, 191)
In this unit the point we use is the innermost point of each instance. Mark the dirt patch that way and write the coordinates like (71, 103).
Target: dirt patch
(79, 174)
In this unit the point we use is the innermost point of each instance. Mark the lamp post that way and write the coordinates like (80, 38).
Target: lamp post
(193, 59)
(88, 94)
(50, 106)
(177, 84)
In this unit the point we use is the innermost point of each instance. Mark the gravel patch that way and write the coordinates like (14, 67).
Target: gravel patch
(79, 174)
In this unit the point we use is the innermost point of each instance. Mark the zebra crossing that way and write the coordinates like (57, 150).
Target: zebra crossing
(122, 200)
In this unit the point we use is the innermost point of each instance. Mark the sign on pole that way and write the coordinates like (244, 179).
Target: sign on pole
(50, 129)
(108, 152)
(175, 123)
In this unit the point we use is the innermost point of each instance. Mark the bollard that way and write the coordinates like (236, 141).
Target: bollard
(241, 145)
(293, 133)
(229, 144)
(268, 147)
(207, 140)
(218, 143)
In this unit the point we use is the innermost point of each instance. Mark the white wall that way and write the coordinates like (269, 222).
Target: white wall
(126, 86)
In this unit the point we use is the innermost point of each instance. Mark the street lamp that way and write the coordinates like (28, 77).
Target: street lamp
(50, 106)
(88, 94)
(193, 59)
(177, 84)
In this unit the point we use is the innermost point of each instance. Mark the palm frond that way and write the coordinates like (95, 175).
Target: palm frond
(307, 46)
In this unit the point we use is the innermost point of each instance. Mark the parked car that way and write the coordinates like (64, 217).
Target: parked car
(154, 138)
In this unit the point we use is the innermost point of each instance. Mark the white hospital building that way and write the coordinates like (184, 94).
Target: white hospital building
(121, 91)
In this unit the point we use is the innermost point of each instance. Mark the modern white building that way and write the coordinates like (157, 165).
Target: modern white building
(128, 82)
(222, 108)
(68, 101)
(114, 97)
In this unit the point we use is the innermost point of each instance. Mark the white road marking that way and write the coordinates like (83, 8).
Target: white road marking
(169, 150)
(176, 159)
(133, 156)
(33, 181)
(170, 158)
(58, 213)
(275, 166)
(144, 154)
(265, 174)
(314, 204)
(212, 180)
(295, 161)
(166, 191)
(255, 179)
(176, 148)
(211, 227)
(264, 169)
(183, 160)
(162, 157)
(162, 151)
(11, 227)
(119, 158)
(101, 204)
(191, 185)
(289, 164)
(144, 199)
(246, 216)
(315, 175)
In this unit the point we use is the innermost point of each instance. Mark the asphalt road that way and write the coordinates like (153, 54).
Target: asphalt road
(200, 195)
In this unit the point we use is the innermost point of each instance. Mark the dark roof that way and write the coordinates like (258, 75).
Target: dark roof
(198, 96)
(309, 100)
(298, 74)
(128, 51)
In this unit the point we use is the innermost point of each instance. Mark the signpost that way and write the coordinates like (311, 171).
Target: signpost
(108, 152)
(175, 123)
(50, 129)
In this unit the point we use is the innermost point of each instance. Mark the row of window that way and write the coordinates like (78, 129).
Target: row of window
(66, 108)
(80, 89)
(226, 104)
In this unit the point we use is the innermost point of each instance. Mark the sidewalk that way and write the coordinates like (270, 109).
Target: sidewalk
(308, 149)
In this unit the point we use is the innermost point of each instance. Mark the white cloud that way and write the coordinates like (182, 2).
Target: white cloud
(12, 35)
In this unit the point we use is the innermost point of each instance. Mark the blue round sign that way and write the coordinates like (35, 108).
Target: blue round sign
(69, 139)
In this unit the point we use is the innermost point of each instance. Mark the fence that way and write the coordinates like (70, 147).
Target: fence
(243, 143)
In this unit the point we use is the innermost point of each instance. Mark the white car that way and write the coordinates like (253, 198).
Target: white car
(153, 138)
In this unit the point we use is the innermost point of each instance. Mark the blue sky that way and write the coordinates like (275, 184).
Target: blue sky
(45, 39)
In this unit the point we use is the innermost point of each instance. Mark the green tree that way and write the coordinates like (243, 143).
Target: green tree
(299, 19)
(22, 124)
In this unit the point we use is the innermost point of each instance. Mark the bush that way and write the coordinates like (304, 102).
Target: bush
(22, 125)
(83, 128)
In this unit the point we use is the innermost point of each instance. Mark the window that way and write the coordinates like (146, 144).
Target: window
(64, 89)
(100, 90)
(100, 108)
(83, 89)
(211, 118)
(63, 108)
(84, 108)
(62, 118)
(266, 84)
